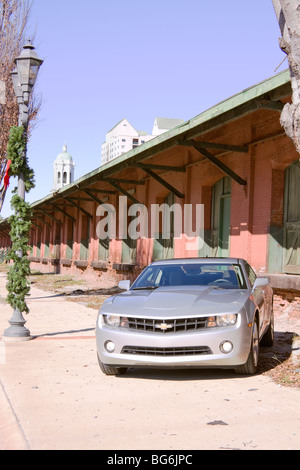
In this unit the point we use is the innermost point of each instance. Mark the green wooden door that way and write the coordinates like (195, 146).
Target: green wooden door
(224, 230)
(103, 250)
(69, 247)
(221, 209)
(163, 248)
(291, 236)
(85, 238)
(129, 246)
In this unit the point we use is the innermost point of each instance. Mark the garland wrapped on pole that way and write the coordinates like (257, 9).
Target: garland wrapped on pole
(18, 285)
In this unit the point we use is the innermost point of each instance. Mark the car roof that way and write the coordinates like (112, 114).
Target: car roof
(198, 260)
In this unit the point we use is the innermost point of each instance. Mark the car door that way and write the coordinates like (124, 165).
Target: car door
(260, 298)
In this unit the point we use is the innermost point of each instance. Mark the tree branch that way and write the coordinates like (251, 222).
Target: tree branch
(288, 17)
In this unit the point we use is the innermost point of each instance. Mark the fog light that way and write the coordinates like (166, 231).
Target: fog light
(226, 347)
(109, 346)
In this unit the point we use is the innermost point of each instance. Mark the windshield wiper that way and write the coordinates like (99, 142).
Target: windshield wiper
(145, 287)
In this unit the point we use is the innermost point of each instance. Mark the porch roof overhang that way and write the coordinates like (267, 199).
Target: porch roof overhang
(152, 160)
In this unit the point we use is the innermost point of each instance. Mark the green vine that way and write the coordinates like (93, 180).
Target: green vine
(18, 285)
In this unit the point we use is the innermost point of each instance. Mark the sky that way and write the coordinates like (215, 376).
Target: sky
(137, 59)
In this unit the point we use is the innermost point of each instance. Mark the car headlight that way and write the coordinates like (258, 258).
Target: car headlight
(222, 320)
(226, 320)
(115, 321)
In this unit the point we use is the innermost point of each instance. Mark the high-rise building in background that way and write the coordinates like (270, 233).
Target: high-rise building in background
(124, 137)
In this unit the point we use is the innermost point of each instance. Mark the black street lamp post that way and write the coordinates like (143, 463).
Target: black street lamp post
(24, 77)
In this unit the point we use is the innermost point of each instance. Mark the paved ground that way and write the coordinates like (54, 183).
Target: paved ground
(53, 395)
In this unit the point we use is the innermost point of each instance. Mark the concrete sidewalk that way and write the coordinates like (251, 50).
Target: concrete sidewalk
(53, 395)
(50, 314)
(63, 344)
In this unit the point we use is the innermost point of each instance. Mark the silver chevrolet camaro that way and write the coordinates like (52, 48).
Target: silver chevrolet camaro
(187, 313)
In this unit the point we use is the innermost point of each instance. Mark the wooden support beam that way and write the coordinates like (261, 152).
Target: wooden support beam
(214, 145)
(57, 208)
(5, 227)
(79, 198)
(2, 232)
(101, 203)
(268, 104)
(41, 220)
(36, 225)
(123, 191)
(95, 198)
(152, 166)
(78, 207)
(102, 191)
(163, 182)
(50, 216)
(126, 181)
(218, 163)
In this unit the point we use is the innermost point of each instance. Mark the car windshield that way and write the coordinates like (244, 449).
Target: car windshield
(223, 275)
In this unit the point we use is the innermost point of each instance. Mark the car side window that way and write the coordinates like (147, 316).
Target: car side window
(251, 274)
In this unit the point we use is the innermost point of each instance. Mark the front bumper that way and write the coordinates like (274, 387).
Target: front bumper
(149, 349)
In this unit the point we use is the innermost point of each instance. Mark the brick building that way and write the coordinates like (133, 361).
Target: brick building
(234, 158)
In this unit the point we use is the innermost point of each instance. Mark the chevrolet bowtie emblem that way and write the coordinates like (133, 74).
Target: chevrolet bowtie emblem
(163, 326)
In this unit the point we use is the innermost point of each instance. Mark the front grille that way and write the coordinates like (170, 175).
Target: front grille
(181, 351)
(167, 326)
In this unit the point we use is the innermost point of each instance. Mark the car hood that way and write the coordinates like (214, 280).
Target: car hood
(176, 301)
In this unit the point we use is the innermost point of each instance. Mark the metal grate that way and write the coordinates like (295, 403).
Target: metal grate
(167, 326)
(181, 351)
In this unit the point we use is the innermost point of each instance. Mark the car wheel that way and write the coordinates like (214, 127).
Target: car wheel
(250, 367)
(110, 370)
(268, 337)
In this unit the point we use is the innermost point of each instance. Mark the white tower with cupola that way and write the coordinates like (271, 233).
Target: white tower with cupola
(63, 170)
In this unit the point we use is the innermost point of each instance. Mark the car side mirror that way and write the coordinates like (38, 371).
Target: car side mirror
(125, 284)
(261, 282)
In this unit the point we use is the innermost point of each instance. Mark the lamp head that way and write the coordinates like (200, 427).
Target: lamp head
(28, 65)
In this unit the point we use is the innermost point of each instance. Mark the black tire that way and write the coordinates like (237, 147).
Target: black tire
(268, 338)
(110, 370)
(250, 367)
